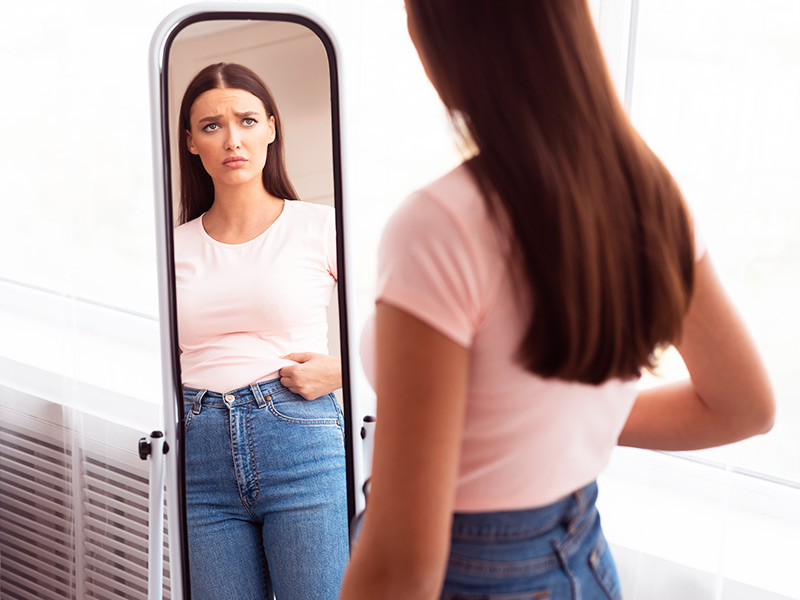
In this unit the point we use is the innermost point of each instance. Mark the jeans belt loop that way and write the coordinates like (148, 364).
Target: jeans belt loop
(580, 508)
(258, 395)
(198, 402)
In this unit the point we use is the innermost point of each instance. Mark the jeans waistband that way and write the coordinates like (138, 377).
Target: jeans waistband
(521, 524)
(256, 392)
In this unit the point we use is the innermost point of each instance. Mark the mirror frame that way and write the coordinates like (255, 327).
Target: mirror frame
(160, 47)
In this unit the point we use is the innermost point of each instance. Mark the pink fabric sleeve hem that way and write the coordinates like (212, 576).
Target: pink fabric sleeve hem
(435, 317)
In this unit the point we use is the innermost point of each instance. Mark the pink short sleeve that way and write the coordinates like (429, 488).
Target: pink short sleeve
(427, 267)
(330, 245)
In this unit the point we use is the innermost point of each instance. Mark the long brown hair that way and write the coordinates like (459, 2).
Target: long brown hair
(197, 187)
(602, 239)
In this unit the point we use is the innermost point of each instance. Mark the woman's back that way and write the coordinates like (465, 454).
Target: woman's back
(527, 441)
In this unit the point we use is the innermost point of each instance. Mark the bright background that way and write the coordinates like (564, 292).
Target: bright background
(713, 85)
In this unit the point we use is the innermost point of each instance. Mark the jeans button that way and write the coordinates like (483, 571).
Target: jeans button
(229, 398)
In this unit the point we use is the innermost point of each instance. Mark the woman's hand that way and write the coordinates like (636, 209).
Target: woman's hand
(313, 376)
(729, 396)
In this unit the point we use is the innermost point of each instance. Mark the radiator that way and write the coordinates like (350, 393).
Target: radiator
(73, 506)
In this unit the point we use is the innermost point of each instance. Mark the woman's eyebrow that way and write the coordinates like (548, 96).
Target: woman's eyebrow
(241, 115)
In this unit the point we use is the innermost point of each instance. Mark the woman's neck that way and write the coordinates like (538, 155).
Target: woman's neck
(240, 214)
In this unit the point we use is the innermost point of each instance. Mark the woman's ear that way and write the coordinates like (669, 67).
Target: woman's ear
(190, 142)
(272, 133)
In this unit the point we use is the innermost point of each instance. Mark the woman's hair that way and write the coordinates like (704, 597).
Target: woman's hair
(197, 187)
(602, 238)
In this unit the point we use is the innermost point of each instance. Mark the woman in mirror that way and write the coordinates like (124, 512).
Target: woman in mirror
(255, 269)
(520, 296)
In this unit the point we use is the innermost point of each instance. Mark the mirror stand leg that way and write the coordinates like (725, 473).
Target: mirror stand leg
(368, 443)
(367, 434)
(154, 450)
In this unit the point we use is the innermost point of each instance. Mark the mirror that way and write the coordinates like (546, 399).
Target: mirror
(253, 285)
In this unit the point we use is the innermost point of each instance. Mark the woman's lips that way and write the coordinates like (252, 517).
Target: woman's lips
(234, 162)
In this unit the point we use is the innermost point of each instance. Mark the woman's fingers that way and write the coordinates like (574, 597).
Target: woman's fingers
(313, 375)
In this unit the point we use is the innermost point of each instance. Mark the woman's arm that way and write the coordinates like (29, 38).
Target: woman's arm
(729, 396)
(313, 376)
(421, 386)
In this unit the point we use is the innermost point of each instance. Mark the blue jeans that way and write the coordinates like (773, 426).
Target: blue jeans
(556, 552)
(266, 494)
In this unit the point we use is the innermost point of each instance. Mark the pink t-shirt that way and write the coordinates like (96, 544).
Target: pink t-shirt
(242, 306)
(527, 441)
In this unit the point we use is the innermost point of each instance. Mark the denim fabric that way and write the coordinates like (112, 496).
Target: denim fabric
(266, 494)
(556, 552)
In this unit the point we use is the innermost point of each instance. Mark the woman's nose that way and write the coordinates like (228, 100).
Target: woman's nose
(232, 141)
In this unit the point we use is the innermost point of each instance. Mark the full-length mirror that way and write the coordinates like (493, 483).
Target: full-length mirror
(253, 183)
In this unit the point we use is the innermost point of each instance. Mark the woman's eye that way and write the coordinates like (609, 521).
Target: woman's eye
(248, 121)
(211, 127)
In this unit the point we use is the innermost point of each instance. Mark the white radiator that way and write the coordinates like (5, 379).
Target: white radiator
(73, 505)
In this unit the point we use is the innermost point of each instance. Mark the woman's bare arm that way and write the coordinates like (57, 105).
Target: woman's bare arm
(421, 387)
(728, 397)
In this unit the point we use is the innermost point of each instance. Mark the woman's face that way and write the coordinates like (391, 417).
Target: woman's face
(230, 132)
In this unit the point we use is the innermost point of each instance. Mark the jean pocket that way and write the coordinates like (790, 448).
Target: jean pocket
(340, 414)
(602, 565)
(292, 408)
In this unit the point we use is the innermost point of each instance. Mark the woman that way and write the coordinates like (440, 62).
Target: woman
(265, 470)
(519, 298)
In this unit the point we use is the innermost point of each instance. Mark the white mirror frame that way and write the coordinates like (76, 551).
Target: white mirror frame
(171, 384)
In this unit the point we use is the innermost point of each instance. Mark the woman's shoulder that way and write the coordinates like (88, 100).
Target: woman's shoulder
(440, 258)
(455, 190)
(187, 231)
(188, 240)
(451, 205)
(311, 215)
(310, 209)
(453, 200)
(447, 217)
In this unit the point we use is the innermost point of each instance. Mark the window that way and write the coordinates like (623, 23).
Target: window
(715, 93)
(712, 87)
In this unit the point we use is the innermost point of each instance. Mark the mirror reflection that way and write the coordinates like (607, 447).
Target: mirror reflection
(256, 270)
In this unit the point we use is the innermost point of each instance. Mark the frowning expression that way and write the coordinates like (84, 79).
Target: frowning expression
(230, 132)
